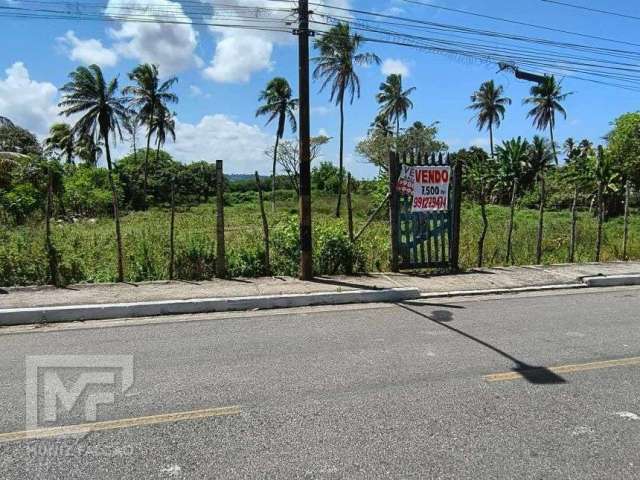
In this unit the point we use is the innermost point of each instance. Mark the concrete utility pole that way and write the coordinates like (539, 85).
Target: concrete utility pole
(306, 253)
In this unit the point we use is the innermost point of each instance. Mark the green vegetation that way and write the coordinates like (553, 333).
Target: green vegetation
(87, 252)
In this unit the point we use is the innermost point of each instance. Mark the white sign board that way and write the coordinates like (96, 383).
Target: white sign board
(430, 189)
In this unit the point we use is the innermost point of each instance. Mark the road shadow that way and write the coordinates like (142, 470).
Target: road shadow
(4, 292)
(445, 273)
(532, 374)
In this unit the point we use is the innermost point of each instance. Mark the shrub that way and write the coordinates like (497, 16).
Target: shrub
(335, 253)
(196, 261)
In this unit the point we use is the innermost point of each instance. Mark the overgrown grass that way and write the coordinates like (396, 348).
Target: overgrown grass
(87, 248)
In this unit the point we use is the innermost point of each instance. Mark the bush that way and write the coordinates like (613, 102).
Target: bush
(20, 202)
(246, 262)
(335, 253)
(87, 192)
(196, 261)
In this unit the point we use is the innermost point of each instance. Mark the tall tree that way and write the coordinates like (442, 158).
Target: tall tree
(89, 149)
(576, 175)
(490, 107)
(164, 124)
(336, 65)
(547, 98)
(62, 140)
(278, 104)
(540, 160)
(512, 157)
(394, 101)
(603, 172)
(149, 97)
(624, 145)
(102, 112)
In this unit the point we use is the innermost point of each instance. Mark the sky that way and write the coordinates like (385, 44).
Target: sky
(222, 71)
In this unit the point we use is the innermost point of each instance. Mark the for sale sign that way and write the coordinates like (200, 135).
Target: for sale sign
(431, 189)
(406, 180)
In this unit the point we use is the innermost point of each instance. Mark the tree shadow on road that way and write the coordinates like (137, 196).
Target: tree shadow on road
(533, 374)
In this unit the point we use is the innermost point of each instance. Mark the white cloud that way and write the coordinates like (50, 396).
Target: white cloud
(481, 142)
(240, 53)
(322, 110)
(170, 46)
(394, 66)
(196, 91)
(237, 57)
(218, 137)
(87, 51)
(26, 102)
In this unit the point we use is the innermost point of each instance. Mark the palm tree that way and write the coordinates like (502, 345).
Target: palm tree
(89, 150)
(394, 102)
(547, 98)
(381, 125)
(336, 66)
(163, 124)
(102, 112)
(61, 139)
(540, 160)
(490, 106)
(573, 173)
(513, 157)
(280, 104)
(149, 97)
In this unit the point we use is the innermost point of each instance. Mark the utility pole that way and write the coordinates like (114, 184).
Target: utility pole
(306, 252)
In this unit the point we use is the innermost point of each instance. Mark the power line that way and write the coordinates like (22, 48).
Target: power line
(594, 10)
(525, 24)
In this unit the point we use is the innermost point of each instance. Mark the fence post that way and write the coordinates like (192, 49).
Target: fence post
(454, 250)
(265, 227)
(172, 251)
(394, 203)
(349, 207)
(221, 263)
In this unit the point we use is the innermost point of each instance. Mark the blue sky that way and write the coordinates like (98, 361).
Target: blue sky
(221, 73)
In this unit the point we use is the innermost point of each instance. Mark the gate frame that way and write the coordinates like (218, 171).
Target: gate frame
(455, 200)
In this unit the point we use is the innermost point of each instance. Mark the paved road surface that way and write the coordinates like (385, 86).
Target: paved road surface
(419, 390)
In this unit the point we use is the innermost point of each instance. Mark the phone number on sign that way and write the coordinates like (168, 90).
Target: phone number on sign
(433, 203)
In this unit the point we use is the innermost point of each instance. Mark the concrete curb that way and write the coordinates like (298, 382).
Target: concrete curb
(501, 291)
(612, 280)
(73, 313)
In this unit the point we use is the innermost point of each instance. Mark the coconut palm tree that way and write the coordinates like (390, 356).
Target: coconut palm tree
(102, 112)
(148, 97)
(513, 156)
(280, 104)
(490, 105)
(394, 101)
(163, 124)
(381, 125)
(336, 65)
(546, 98)
(540, 160)
(61, 139)
(89, 150)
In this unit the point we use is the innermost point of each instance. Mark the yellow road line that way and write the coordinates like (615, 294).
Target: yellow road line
(117, 424)
(582, 367)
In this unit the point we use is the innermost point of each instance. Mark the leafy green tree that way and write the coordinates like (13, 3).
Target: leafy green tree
(481, 175)
(540, 161)
(61, 140)
(87, 192)
(624, 146)
(336, 66)
(278, 104)
(547, 98)
(394, 101)
(576, 174)
(513, 157)
(149, 97)
(102, 112)
(16, 139)
(604, 171)
(490, 107)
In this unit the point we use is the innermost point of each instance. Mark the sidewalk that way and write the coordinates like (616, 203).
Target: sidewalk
(475, 280)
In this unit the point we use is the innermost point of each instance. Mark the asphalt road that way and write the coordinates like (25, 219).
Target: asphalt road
(420, 390)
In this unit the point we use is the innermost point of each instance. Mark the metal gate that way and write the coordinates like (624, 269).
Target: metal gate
(424, 240)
